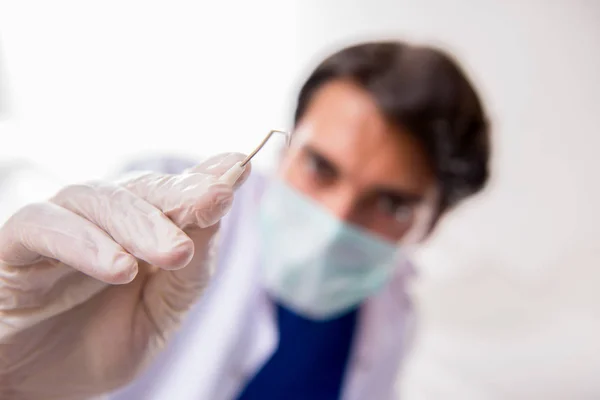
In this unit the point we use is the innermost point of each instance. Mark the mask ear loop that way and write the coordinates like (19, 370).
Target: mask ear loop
(233, 174)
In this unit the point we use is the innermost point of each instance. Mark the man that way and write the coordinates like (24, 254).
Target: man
(308, 299)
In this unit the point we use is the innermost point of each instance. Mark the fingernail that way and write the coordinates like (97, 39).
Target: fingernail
(125, 268)
(183, 252)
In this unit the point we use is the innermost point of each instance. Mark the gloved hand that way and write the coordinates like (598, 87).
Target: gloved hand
(94, 281)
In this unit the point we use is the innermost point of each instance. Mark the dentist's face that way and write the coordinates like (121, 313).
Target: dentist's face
(346, 156)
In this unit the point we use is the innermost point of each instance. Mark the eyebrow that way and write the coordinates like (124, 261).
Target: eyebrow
(311, 151)
(399, 195)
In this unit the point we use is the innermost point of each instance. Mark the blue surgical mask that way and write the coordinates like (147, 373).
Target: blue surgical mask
(314, 263)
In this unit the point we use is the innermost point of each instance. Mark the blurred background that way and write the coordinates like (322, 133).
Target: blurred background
(508, 298)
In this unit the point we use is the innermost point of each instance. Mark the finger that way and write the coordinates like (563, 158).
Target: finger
(139, 227)
(189, 200)
(221, 163)
(216, 165)
(47, 230)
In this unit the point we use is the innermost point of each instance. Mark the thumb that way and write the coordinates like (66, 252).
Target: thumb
(221, 163)
(193, 199)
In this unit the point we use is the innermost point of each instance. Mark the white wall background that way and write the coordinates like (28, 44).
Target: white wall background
(509, 299)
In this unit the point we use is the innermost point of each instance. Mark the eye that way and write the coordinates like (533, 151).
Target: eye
(320, 167)
(395, 208)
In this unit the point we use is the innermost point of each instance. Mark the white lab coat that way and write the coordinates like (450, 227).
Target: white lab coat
(231, 332)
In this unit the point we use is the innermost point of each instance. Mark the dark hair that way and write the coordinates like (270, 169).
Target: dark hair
(423, 91)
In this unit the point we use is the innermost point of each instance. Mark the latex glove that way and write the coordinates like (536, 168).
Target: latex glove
(93, 281)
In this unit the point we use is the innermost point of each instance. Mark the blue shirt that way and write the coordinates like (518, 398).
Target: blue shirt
(309, 362)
